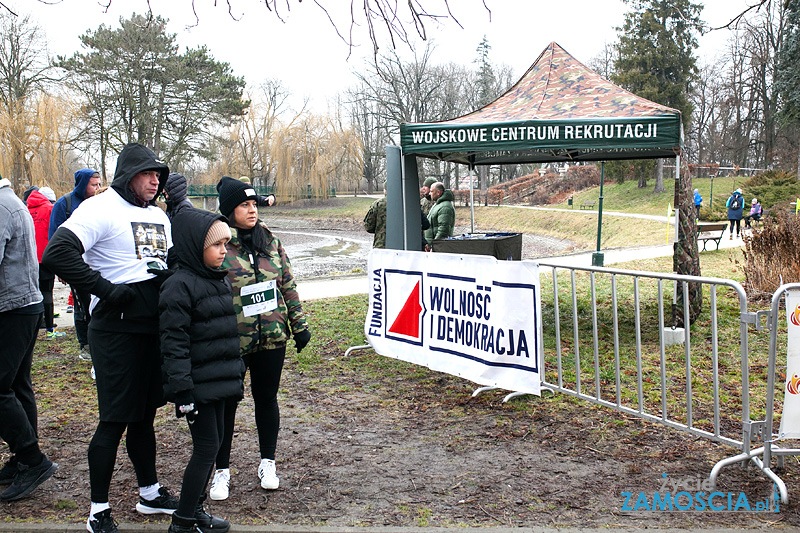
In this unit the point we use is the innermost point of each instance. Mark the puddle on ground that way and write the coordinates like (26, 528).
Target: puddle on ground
(314, 254)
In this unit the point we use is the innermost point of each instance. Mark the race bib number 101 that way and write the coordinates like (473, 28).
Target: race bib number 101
(259, 298)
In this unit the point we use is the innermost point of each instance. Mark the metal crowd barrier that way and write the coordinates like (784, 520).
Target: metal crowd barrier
(763, 430)
(650, 378)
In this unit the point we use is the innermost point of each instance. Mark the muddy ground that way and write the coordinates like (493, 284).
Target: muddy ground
(321, 248)
(413, 448)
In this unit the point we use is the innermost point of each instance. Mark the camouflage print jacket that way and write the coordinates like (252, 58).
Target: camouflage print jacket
(425, 204)
(375, 222)
(287, 319)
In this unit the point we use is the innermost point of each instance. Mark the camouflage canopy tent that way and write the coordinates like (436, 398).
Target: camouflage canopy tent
(560, 110)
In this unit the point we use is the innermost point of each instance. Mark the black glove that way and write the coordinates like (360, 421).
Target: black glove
(301, 339)
(160, 274)
(184, 405)
(119, 295)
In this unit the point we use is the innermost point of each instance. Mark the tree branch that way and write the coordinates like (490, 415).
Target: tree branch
(7, 9)
(735, 20)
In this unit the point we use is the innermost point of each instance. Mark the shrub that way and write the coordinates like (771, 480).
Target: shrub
(772, 255)
(539, 190)
(773, 187)
(495, 195)
(462, 196)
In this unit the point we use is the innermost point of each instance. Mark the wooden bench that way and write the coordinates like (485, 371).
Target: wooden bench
(707, 231)
(588, 205)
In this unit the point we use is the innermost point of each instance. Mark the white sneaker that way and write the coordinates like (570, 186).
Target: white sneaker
(220, 486)
(266, 473)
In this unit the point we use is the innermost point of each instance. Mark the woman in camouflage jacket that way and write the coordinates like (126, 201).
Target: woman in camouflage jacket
(269, 312)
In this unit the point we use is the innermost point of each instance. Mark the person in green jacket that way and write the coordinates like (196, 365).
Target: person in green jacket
(442, 215)
(269, 313)
(425, 202)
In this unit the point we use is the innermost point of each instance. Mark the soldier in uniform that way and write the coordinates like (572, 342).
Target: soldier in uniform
(269, 312)
(426, 202)
(375, 222)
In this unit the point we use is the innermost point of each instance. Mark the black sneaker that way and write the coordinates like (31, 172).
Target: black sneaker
(8, 471)
(28, 478)
(207, 523)
(102, 522)
(166, 503)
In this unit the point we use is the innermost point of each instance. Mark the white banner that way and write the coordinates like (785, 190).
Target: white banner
(471, 316)
(790, 417)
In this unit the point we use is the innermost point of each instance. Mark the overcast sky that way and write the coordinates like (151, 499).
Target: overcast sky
(305, 53)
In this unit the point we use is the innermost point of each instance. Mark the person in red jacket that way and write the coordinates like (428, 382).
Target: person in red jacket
(40, 207)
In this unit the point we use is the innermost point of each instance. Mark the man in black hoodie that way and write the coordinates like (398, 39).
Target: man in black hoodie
(115, 247)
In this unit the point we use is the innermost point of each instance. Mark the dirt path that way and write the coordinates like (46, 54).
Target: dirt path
(412, 449)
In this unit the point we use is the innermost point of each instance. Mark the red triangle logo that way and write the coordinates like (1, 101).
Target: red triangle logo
(407, 321)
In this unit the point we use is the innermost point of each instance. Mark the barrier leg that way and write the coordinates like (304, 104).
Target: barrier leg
(354, 348)
(513, 395)
(742, 457)
(775, 479)
(482, 389)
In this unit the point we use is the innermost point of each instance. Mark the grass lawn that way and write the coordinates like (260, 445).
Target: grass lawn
(628, 198)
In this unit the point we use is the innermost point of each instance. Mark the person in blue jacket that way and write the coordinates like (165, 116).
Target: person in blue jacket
(698, 201)
(87, 183)
(735, 205)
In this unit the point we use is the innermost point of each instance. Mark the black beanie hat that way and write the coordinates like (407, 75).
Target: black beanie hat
(233, 192)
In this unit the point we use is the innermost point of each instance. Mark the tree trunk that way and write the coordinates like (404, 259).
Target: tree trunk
(484, 174)
(659, 176)
(686, 257)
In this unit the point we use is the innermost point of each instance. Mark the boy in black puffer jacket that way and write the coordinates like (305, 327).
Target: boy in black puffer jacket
(200, 349)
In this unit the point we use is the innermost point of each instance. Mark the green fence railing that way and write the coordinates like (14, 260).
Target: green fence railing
(206, 191)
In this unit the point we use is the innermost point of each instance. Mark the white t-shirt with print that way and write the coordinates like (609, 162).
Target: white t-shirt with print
(121, 240)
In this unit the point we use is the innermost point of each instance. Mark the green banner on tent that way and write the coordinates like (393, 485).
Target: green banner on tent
(660, 133)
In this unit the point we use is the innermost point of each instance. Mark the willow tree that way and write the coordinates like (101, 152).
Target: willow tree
(313, 153)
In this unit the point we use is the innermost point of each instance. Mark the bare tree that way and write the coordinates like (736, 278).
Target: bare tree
(603, 62)
(24, 72)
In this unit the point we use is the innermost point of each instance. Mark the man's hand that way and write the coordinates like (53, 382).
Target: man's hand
(119, 295)
(161, 274)
(267, 201)
(301, 339)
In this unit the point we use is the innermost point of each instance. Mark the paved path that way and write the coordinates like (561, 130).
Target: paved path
(334, 286)
(657, 218)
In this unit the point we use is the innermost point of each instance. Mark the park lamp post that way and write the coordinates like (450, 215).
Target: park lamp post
(597, 257)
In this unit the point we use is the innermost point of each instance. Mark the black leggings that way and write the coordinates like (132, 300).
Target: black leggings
(735, 222)
(46, 288)
(265, 377)
(141, 446)
(207, 430)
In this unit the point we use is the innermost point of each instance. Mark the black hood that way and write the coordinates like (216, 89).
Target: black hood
(189, 229)
(135, 158)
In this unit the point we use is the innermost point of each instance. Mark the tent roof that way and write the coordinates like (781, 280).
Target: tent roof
(559, 110)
